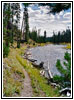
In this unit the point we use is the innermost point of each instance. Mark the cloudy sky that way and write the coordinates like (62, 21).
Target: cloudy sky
(40, 18)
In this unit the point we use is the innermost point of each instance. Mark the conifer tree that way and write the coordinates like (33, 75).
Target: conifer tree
(12, 20)
(17, 6)
(44, 36)
(26, 24)
(6, 23)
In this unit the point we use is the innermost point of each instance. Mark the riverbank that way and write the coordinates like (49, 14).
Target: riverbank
(16, 64)
(46, 57)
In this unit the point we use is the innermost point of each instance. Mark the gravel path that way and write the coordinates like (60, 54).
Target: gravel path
(49, 53)
(27, 90)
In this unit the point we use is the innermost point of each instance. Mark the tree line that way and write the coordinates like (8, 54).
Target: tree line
(61, 37)
(34, 35)
(12, 31)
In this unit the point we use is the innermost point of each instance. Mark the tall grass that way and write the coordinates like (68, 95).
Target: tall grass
(12, 75)
(38, 82)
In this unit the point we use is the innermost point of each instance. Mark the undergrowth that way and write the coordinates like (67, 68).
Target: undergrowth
(37, 80)
(16, 64)
(12, 75)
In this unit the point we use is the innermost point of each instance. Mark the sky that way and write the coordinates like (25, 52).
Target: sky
(41, 18)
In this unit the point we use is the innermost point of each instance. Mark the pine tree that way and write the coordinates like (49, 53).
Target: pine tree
(25, 24)
(17, 6)
(6, 23)
(44, 36)
(54, 37)
(12, 20)
(58, 38)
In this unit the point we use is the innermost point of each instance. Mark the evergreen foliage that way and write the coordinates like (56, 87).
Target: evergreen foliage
(11, 26)
(66, 73)
(25, 24)
(61, 37)
(5, 50)
(57, 7)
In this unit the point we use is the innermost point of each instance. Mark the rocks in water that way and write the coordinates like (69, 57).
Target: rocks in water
(41, 64)
(45, 58)
(49, 53)
(32, 60)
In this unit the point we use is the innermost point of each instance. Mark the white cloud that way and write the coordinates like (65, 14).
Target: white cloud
(57, 16)
(66, 21)
(44, 9)
(49, 22)
(61, 13)
(67, 15)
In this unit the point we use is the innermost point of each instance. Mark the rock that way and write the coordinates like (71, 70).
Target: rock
(41, 64)
(28, 53)
(42, 72)
(68, 94)
(54, 85)
(32, 60)
(65, 90)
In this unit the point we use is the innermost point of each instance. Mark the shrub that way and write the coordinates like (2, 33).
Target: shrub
(60, 68)
(18, 44)
(67, 56)
(58, 79)
(5, 50)
(66, 73)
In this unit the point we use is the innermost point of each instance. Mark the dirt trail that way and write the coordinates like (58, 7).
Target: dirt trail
(27, 90)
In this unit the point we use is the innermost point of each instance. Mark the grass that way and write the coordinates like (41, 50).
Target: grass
(38, 82)
(68, 45)
(15, 68)
(13, 75)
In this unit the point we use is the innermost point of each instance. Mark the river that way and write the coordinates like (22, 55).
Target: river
(49, 55)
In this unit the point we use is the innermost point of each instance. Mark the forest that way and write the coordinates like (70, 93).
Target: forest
(12, 32)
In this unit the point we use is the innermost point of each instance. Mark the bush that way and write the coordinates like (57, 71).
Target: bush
(67, 56)
(5, 50)
(18, 44)
(60, 68)
(58, 79)
(66, 73)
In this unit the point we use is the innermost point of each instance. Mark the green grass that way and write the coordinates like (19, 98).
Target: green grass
(68, 45)
(13, 75)
(38, 80)
(16, 64)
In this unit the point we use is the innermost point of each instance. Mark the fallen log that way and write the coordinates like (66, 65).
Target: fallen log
(32, 60)
(49, 72)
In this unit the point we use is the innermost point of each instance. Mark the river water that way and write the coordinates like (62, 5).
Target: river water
(49, 55)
